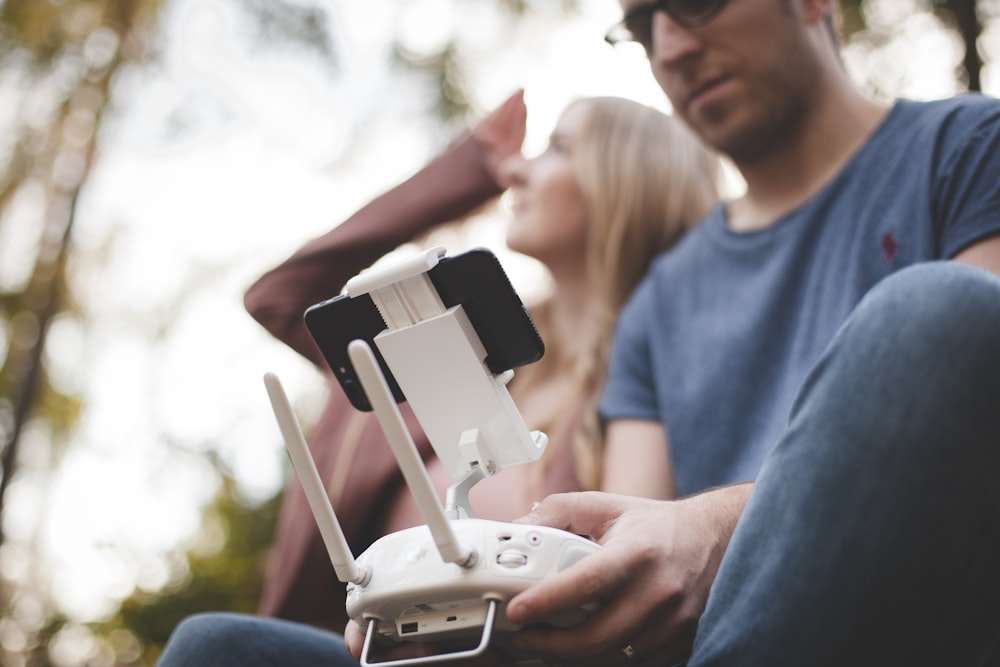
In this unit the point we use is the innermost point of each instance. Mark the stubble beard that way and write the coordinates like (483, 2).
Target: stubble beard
(766, 119)
(768, 128)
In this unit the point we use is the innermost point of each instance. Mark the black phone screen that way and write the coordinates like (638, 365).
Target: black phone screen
(474, 279)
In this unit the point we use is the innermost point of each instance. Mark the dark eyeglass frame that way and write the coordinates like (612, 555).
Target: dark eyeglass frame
(640, 18)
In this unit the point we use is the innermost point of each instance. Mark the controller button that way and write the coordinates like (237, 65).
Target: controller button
(511, 558)
(534, 538)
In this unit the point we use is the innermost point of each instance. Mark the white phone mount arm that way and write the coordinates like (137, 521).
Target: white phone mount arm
(407, 455)
(438, 361)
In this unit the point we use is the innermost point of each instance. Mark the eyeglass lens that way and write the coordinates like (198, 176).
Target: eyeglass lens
(638, 22)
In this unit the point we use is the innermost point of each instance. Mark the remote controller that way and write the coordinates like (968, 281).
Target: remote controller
(448, 581)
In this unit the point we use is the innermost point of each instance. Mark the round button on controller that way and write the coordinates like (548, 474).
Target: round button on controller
(512, 558)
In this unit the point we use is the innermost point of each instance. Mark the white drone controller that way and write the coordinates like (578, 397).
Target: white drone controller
(447, 581)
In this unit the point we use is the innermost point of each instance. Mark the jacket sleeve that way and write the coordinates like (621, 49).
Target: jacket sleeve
(452, 185)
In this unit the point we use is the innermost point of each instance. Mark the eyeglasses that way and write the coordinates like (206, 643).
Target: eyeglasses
(637, 25)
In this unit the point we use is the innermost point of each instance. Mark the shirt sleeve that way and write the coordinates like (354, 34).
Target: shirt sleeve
(967, 184)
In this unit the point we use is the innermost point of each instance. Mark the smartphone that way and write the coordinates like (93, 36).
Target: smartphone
(473, 279)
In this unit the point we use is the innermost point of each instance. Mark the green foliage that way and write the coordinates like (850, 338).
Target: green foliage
(46, 28)
(225, 568)
(221, 570)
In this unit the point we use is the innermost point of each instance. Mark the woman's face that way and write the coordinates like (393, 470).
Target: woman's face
(550, 215)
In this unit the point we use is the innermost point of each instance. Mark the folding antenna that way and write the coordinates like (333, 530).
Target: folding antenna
(343, 561)
(407, 456)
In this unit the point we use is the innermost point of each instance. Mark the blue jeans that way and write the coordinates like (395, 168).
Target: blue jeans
(240, 640)
(872, 536)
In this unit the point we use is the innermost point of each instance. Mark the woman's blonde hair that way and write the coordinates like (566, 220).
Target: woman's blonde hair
(646, 180)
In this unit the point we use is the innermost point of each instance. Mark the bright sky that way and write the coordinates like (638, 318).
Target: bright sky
(227, 156)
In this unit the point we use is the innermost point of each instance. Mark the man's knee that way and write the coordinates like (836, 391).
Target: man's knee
(921, 353)
(934, 320)
(949, 300)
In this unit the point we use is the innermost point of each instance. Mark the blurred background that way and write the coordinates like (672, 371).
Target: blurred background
(156, 156)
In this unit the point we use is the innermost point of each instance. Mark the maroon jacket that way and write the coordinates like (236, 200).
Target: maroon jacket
(353, 458)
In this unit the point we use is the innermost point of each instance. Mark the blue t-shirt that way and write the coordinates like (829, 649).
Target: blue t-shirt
(717, 338)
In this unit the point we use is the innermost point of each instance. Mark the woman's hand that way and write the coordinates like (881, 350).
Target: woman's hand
(501, 134)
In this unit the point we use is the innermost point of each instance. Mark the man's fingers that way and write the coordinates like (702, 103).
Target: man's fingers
(645, 597)
(589, 513)
(658, 635)
(598, 577)
(594, 578)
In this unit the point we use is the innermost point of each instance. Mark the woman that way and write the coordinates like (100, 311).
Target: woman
(618, 183)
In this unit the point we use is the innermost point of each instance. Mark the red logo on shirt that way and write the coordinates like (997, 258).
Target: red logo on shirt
(889, 246)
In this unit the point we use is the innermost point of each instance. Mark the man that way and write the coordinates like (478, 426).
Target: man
(872, 534)
(808, 313)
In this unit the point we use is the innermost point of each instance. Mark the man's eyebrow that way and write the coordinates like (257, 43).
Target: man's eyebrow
(631, 6)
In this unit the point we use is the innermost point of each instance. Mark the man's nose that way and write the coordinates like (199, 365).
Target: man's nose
(671, 42)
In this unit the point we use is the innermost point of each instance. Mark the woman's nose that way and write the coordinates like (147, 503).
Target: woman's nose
(511, 170)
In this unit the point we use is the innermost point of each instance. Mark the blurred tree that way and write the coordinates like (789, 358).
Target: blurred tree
(64, 56)
(58, 60)
(445, 68)
(962, 16)
(293, 25)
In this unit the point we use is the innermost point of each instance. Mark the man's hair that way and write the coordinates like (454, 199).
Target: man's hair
(832, 21)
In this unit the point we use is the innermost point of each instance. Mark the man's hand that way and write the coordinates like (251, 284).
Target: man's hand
(650, 579)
